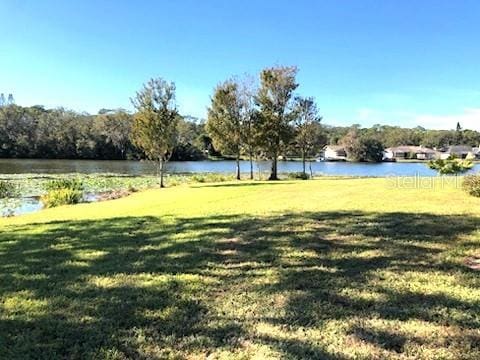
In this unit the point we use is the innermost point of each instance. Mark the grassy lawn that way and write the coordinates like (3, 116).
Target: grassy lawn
(321, 269)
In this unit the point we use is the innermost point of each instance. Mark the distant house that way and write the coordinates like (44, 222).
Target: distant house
(460, 152)
(476, 152)
(409, 152)
(334, 153)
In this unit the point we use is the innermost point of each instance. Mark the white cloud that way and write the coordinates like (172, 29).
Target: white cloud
(469, 119)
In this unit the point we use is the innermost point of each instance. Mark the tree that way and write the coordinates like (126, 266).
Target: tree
(308, 136)
(276, 111)
(187, 133)
(115, 126)
(362, 148)
(246, 90)
(351, 143)
(224, 123)
(372, 149)
(154, 127)
(450, 166)
(459, 134)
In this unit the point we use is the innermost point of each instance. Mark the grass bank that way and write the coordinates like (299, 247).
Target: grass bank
(321, 269)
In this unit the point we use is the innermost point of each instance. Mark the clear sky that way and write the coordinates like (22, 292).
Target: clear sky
(402, 62)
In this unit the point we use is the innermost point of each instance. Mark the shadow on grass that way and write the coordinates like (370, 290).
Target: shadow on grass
(244, 183)
(146, 287)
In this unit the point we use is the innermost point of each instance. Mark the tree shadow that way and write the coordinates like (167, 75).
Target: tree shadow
(241, 184)
(148, 287)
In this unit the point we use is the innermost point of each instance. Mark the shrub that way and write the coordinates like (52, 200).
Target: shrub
(298, 175)
(58, 184)
(450, 166)
(7, 189)
(471, 185)
(59, 197)
(210, 177)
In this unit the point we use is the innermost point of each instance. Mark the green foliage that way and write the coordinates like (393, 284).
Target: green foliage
(116, 127)
(362, 148)
(210, 178)
(298, 175)
(224, 123)
(372, 150)
(64, 183)
(7, 189)
(450, 166)
(471, 184)
(309, 135)
(276, 111)
(155, 123)
(62, 191)
(60, 197)
(58, 133)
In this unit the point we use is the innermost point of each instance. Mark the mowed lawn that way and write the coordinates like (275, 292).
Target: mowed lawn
(320, 269)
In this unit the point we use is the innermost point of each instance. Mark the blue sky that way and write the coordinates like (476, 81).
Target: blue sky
(398, 62)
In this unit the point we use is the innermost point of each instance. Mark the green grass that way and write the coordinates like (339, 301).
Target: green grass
(320, 269)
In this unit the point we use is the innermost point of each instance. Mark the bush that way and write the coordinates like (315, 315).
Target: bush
(450, 166)
(7, 189)
(60, 197)
(471, 185)
(58, 184)
(298, 175)
(210, 177)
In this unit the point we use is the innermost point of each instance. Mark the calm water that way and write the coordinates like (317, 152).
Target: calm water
(21, 166)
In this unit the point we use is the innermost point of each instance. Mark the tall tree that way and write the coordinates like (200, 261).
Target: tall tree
(115, 126)
(362, 147)
(247, 90)
(276, 111)
(308, 136)
(154, 127)
(459, 134)
(224, 123)
(352, 145)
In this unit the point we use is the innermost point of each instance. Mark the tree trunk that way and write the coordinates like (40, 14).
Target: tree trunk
(251, 166)
(238, 166)
(160, 167)
(303, 162)
(273, 174)
(258, 168)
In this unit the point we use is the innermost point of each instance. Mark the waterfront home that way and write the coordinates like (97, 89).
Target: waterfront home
(334, 153)
(409, 152)
(461, 152)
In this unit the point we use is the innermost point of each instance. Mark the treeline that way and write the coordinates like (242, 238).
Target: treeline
(391, 136)
(36, 132)
(245, 120)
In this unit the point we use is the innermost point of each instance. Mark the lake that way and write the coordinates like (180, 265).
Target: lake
(40, 166)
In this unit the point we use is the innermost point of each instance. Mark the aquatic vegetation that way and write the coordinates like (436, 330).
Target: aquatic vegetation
(58, 197)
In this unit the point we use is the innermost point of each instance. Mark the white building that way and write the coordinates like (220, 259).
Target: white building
(334, 153)
(409, 152)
